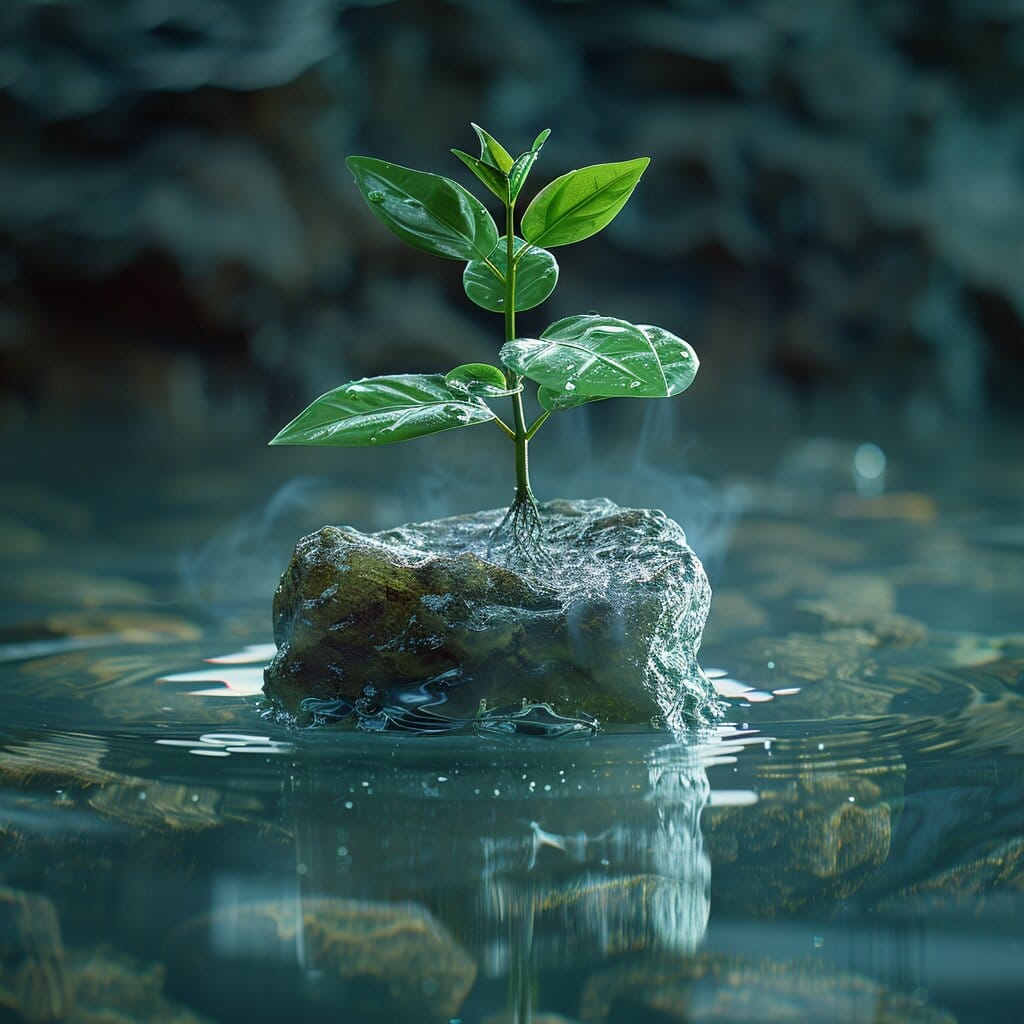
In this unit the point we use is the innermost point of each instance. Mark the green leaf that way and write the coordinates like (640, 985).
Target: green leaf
(521, 168)
(580, 203)
(590, 356)
(429, 212)
(480, 379)
(490, 176)
(536, 277)
(383, 410)
(558, 401)
(492, 151)
(517, 176)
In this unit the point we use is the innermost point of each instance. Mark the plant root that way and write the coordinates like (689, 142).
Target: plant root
(522, 532)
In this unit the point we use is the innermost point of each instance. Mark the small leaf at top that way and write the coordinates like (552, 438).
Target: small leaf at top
(540, 140)
(431, 213)
(383, 410)
(594, 356)
(490, 176)
(492, 151)
(536, 277)
(580, 203)
(517, 176)
(480, 379)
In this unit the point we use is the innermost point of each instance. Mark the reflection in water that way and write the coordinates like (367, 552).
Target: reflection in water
(515, 860)
(589, 879)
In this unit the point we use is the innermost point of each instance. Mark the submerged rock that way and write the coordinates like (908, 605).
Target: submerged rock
(371, 961)
(812, 840)
(721, 987)
(606, 621)
(33, 977)
(112, 987)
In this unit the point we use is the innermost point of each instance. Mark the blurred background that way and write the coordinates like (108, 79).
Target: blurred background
(833, 216)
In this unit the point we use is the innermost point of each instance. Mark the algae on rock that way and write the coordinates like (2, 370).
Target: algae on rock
(607, 621)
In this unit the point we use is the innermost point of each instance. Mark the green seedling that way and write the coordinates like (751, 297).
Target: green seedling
(576, 360)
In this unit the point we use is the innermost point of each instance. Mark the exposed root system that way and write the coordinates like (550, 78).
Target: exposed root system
(521, 532)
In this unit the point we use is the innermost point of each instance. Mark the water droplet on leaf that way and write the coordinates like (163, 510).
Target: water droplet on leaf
(569, 386)
(376, 196)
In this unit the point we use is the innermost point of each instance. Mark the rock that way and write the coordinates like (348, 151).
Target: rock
(33, 980)
(113, 988)
(719, 987)
(980, 884)
(379, 961)
(830, 830)
(609, 624)
(536, 1018)
(835, 670)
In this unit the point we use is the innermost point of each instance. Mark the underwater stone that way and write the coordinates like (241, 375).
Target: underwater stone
(33, 979)
(605, 621)
(114, 988)
(723, 987)
(377, 961)
(807, 844)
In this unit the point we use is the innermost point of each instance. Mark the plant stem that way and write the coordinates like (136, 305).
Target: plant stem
(537, 424)
(524, 493)
(504, 427)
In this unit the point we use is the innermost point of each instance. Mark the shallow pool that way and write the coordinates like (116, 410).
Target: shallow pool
(846, 845)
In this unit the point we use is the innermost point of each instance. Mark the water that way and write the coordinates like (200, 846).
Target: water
(847, 845)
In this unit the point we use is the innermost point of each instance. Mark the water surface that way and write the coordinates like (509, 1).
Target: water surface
(848, 844)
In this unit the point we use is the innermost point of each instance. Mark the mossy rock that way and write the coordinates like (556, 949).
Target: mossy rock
(604, 618)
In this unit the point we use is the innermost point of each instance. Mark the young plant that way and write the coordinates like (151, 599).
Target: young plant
(576, 360)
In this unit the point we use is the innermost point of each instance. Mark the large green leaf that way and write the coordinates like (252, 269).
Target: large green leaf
(536, 277)
(429, 212)
(590, 356)
(383, 410)
(490, 176)
(580, 203)
(492, 151)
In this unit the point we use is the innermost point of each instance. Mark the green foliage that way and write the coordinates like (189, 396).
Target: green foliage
(487, 173)
(480, 379)
(383, 410)
(536, 277)
(581, 203)
(586, 357)
(429, 212)
(576, 360)
(492, 151)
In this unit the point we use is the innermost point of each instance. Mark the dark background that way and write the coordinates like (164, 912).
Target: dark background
(833, 216)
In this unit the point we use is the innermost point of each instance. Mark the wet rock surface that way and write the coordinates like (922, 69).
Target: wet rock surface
(607, 621)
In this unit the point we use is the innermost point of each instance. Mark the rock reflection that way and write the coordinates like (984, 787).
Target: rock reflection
(587, 880)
